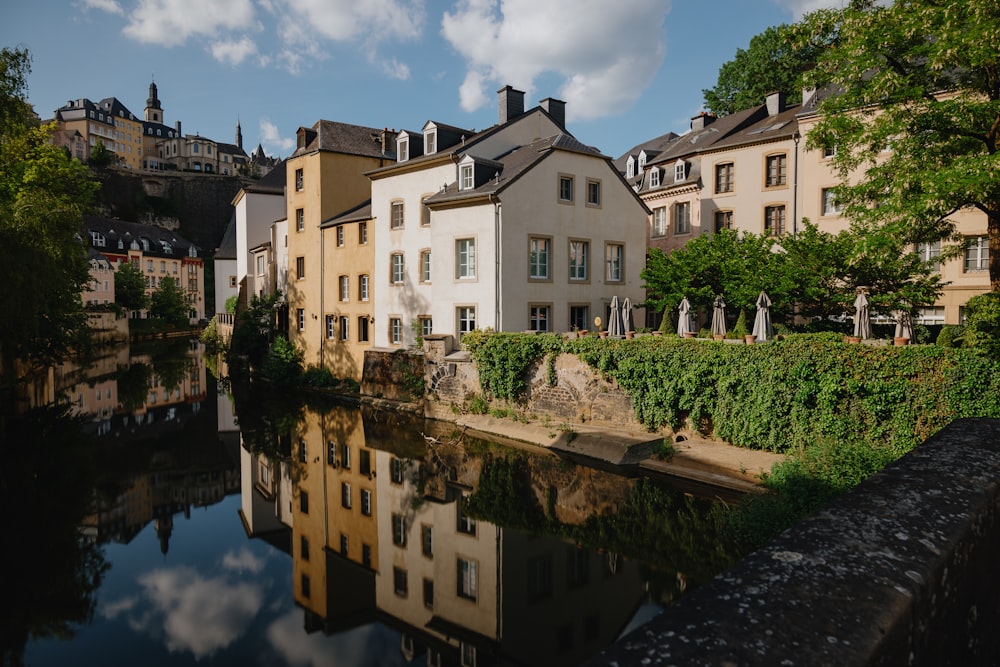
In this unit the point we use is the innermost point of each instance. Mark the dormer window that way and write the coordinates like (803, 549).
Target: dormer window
(466, 177)
(167, 250)
(630, 167)
(642, 161)
(134, 245)
(145, 244)
(654, 178)
(402, 149)
(121, 244)
(192, 252)
(97, 239)
(430, 142)
(680, 171)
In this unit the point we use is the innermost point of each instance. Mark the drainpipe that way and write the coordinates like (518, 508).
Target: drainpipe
(795, 187)
(497, 220)
(322, 281)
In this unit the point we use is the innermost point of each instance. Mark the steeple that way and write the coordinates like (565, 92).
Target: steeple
(239, 134)
(153, 112)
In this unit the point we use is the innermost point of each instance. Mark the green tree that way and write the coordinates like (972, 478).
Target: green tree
(100, 156)
(772, 62)
(130, 287)
(916, 117)
(43, 195)
(169, 303)
(254, 330)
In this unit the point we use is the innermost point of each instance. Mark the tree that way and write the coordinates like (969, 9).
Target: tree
(772, 62)
(100, 156)
(130, 287)
(915, 120)
(169, 303)
(43, 195)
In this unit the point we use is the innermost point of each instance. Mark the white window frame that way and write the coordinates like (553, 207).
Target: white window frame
(828, 199)
(539, 317)
(539, 258)
(977, 255)
(395, 331)
(659, 222)
(654, 178)
(397, 268)
(579, 260)
(466, 176)
(397, 215)
(345, 328)
(682, 218)
(363, 287)
(614, 254)
(466, 319)
(425, 266)
(680, 171)
(345, 288)
(465, 258)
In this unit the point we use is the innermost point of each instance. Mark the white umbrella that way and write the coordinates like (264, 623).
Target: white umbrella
(904, 324)
(862, 323)
(719, 316)
(627, 315)
(762, 322)
(683, 319)
(615, 318)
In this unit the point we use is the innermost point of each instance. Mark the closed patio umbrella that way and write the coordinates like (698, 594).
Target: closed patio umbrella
(762, 322)
(904, 324)
(627, 324)
(862, 321)
(683, 317)
(719, 316)
(615, 318)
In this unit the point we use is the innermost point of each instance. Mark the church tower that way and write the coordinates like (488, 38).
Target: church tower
(239, 134)
(153, 112)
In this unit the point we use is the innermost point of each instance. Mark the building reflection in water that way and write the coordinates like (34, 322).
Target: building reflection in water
(378, 533)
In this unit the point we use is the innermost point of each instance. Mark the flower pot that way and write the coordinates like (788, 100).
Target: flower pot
(899, 341)
(629, 334)
(718, 336)
(657, 333)
(602, 334)
(750, 339)
(581, 334)
(689, 334)
(854, 340)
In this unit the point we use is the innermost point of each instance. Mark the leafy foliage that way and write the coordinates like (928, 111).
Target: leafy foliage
(130, 287)
(254, 330)
(503, 359)
(169, 303)
(283, 364)
(916, 117)
(982, 325)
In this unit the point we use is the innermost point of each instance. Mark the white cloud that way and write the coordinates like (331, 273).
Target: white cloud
(173, 22)
(233, 52)
(800, 8)
(395, 69)
(272, 140)
(109, 6)
(243, 561)
(606, 52)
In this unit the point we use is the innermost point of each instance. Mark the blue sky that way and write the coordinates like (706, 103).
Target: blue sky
(629, 70)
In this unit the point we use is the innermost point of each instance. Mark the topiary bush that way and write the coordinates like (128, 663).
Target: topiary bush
(982, 324)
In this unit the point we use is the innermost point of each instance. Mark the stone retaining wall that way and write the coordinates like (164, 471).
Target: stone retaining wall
(899, 571)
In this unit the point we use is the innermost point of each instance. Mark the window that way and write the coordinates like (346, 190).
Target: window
(830, 151)
(395, 331)
(300, 267)
(467, 579)
(366, 555)
(396, 471)
(344, 543)
(396, 215)
(723, 220)
(577, 567)
(363, 287)
(776, 170)
(345, 288)
(774, 221)
(399, 530)
(300, 316)
(614, 257)
(539, 571)
(929, 252)
(579, 317)
(363, 329)
(977, 254)
(260, 264)
(345, 326)
(680, 171)
(430, 142)
(466, 320)
(425, 212)
(399, 581)
(466, 524)
(579, 255)
(363, 233)
(654, 178)
(682, 218)
(163, 266)
(149, 266)
(366, 502)
(724, 177)
(345, 456)
(331, 453)
(299, 181)
(538, 318)
(403, 149)
(425, 266)
(659, 222)
(830, 206)
(538, 258)
(930, 316)
(305, 587)
(396, 272)
(466, 179)
(340, 236)
(427, 540)
(300, 219)
(593, 193)
(465, 250)
(345, 495)
(426, 326)
(329, 327)
(304, 502)
(630, 167)
(566, 188)
(429, 593)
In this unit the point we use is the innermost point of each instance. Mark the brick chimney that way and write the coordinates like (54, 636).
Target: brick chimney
(775, 103)
(701, 120)
(511, 103)
(556, 109)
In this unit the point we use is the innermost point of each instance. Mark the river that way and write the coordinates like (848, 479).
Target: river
(188, 521)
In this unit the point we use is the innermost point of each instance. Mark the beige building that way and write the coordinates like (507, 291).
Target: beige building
(325, 180)
(108, 122)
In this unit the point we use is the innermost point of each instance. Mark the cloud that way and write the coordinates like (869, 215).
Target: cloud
(604, 52)
(233, 52)
(272, 140)
(373, 644)
(800, 8)
(243, 561)
(173, 22)
(109, 6)
(396, 70)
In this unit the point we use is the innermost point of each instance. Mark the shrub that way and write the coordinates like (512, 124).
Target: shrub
(740, 328)
(982, 324)
(283, 364)
(951, 335)
(319, 376)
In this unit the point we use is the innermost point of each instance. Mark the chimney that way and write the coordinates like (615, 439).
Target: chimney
(775, 103)
(511, 103)
(808, 93)
(388, 139)
(556, 109)
(701, 120)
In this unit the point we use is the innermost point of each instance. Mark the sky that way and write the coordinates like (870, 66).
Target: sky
(628, 70)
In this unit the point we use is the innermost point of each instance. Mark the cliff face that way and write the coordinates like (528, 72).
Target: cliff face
(198, 206)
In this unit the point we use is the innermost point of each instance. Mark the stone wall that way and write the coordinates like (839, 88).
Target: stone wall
(393, 375)
(899, 571)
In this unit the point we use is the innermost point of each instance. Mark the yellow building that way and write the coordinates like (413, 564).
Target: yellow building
(108, 122)
(326, 189)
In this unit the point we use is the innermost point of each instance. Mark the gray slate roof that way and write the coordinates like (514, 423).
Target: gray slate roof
(346, 138)
(115, 230)
(227, 247)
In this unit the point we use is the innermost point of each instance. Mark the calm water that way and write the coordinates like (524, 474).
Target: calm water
(196, 527)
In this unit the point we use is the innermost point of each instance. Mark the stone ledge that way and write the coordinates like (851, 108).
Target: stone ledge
(900, 570)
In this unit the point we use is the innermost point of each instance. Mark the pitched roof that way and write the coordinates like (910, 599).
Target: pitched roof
(227, 246)
(362, 211)
(158, 238)
(345, 138)
(272, 183)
